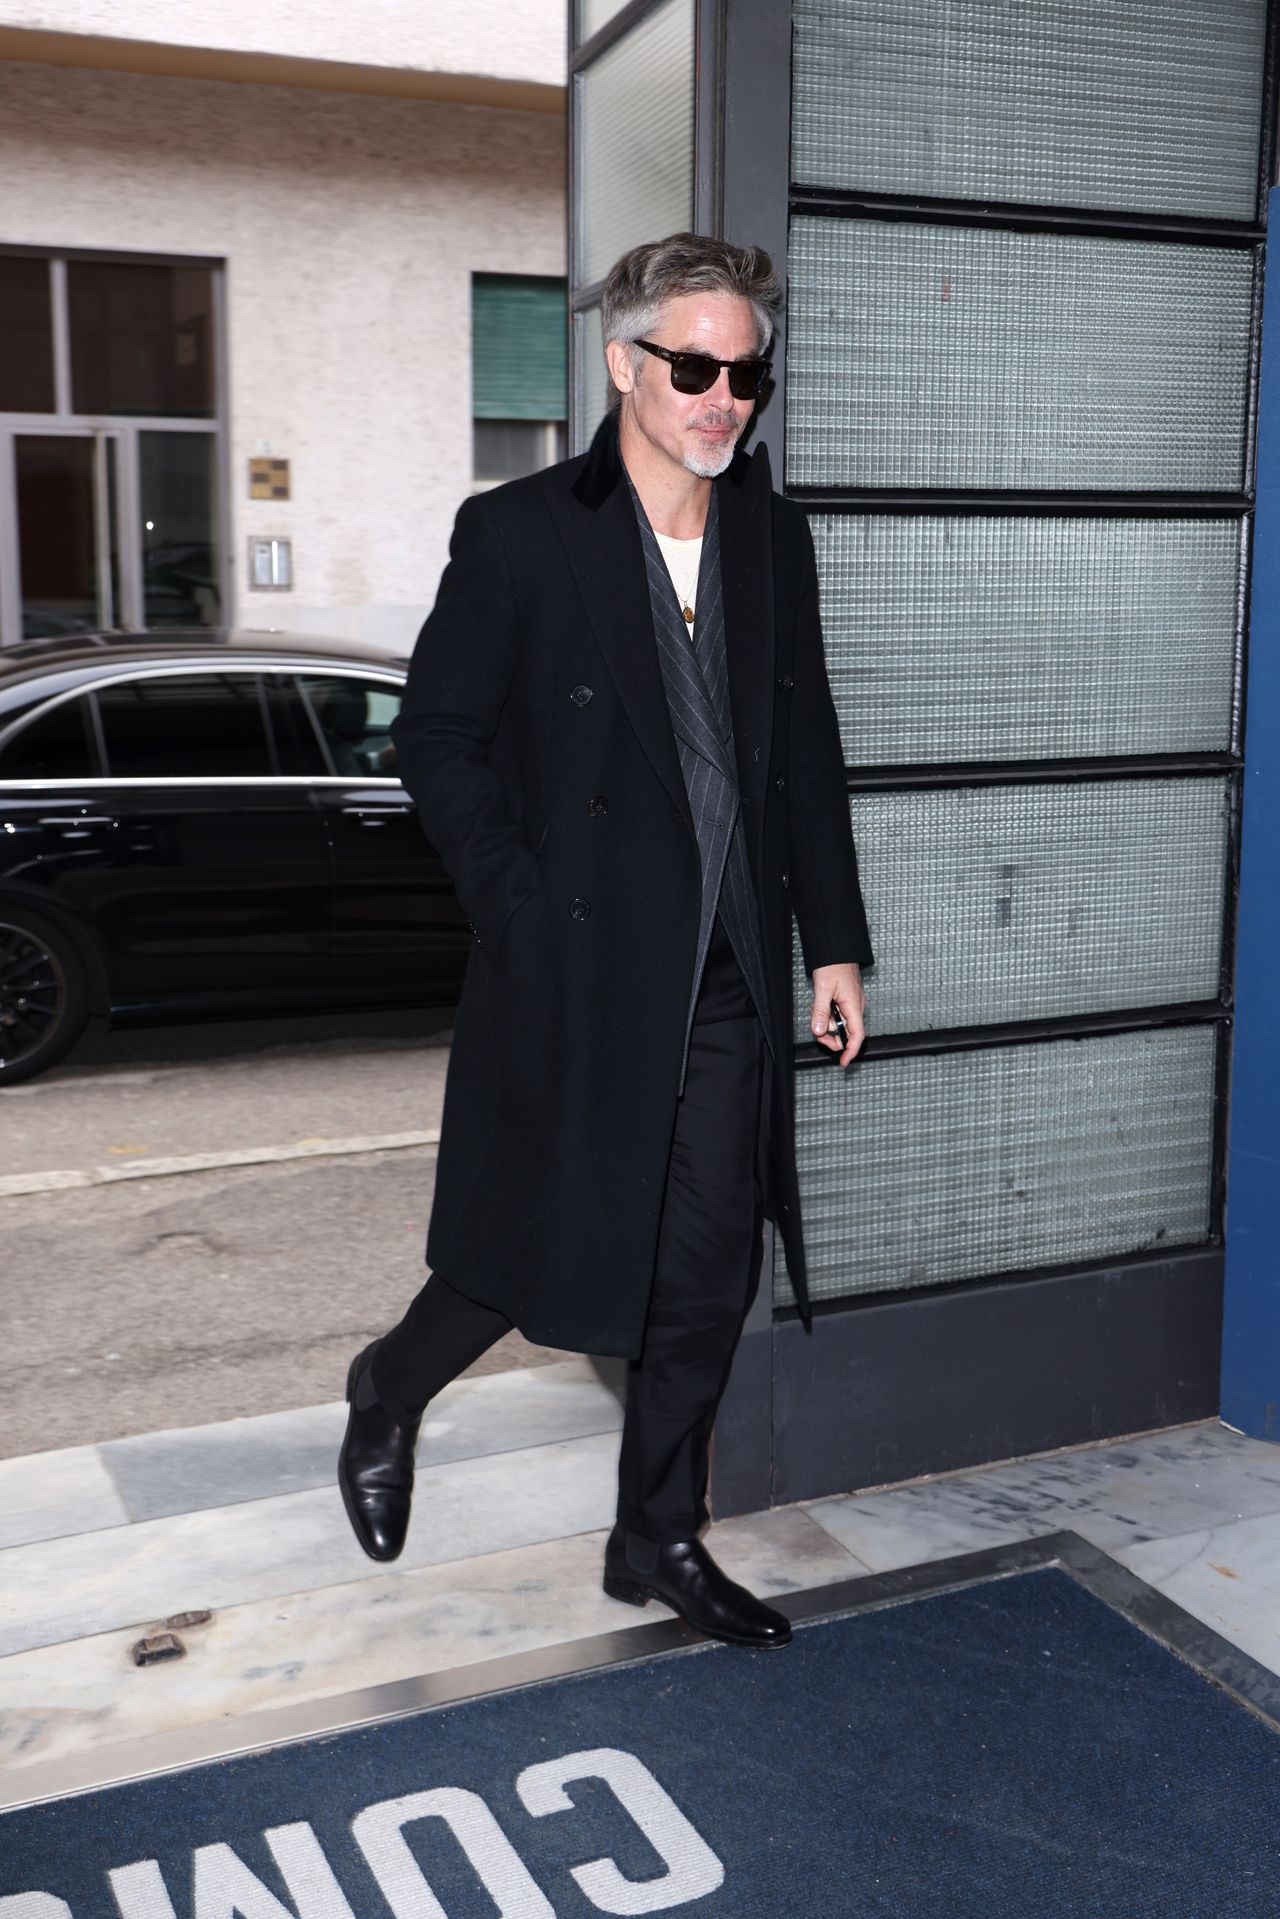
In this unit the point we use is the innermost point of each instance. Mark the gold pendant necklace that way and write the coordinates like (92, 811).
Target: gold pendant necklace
(686, 599)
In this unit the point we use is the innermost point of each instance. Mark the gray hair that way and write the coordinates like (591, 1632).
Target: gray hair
(643, 280)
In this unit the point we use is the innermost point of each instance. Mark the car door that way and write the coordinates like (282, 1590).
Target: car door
(56, 823)
(216, 887)
(397, 925)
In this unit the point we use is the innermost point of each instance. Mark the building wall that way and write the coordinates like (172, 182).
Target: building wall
(349, 226)
(526, 40)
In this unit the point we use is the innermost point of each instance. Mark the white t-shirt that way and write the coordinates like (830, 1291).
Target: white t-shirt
(683, 558)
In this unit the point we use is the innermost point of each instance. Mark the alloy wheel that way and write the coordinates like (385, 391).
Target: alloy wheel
(33, 995)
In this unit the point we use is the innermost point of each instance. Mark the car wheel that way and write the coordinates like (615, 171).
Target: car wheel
(44, 994)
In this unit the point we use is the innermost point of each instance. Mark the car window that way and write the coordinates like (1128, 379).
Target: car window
(188, 725)
(56, 745)
(354, 717)
(298, 745)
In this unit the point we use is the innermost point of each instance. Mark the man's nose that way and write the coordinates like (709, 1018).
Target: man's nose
(721, 394)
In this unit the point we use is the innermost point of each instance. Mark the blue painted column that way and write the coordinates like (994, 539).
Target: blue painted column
(1251, 1315)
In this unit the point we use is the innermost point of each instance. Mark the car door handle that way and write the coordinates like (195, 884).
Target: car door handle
(372, 815)
(77, 819)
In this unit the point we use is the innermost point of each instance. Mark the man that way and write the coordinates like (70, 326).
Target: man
(620, 736)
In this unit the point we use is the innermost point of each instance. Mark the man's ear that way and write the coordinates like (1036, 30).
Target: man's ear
(619, 363)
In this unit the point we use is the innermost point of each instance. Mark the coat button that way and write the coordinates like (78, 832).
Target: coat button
(781, 782)
(784, 680)
(786, 879)
(579, 909)
(598, 804)
(580, 695)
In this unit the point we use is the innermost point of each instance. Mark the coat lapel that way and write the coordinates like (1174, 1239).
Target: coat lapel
(598, 526)
(745, 495)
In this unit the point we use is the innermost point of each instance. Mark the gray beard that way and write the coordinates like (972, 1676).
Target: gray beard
(708, 466)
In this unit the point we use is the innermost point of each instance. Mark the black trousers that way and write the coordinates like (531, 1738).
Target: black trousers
(706, 1272)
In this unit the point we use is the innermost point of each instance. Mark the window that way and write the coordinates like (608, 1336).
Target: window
(187, 725)
(53, 746)
(506, 449)
(177, 477)
(518, 375)
(26, 336)
(59, 563)
(631, 132)
(299, 750)
(633, 112)
(141, 338)
(354, 718)
(115, 489)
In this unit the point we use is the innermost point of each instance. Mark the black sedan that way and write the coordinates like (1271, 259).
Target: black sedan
(208, 825)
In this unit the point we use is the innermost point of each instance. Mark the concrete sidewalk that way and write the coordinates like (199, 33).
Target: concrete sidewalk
(99, 1545)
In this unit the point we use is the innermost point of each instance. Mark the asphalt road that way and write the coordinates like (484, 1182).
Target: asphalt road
(144, 1303)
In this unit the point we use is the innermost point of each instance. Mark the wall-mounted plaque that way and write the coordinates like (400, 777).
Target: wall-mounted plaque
(268, 479)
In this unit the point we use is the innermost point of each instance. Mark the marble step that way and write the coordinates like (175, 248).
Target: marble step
(132, 1575)
(60, 1701)
(192, 1468)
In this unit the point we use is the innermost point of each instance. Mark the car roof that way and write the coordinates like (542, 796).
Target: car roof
(54, 665)
(181, 643)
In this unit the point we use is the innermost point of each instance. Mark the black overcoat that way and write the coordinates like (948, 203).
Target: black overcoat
(536, 741)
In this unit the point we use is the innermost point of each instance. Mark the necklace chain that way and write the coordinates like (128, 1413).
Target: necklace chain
(686, 598)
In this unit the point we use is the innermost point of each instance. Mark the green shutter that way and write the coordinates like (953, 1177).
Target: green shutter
(518, 347)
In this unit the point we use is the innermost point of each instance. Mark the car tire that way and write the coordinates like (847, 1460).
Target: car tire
(44, 993)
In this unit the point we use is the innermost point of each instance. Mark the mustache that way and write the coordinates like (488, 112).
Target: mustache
(715, 419)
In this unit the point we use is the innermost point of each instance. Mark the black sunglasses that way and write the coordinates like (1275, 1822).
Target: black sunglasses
(698, 372)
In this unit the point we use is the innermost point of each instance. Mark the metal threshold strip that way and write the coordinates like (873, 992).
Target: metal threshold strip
(1248, 1682)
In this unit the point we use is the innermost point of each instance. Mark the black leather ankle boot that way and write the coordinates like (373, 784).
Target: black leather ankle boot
(684, 1576)
(375, 1467)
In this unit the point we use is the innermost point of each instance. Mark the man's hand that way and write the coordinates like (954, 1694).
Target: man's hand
(843, 985)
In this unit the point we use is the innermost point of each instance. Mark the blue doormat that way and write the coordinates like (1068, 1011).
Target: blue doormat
(1016, 1749)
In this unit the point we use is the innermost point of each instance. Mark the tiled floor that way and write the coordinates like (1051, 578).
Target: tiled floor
(515, 1493)
(1195, 1511)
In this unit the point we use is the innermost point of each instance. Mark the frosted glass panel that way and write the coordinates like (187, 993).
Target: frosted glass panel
(921, 355)
(1149, 104)
(635, 140)
(952, 1165)
(976, 638)
(594, 14)
(593, 375)
(993, 903)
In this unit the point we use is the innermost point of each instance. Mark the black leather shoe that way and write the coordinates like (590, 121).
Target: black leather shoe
(684, 1576)
(375, 1470)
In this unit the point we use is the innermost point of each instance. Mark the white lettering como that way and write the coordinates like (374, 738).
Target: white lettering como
(692, 1869)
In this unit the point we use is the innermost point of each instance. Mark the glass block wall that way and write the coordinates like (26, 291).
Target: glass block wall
(1147, 105)
(954, 357)
(1018, 413)
(1001, 637)
(632, 132)
(997, 903)
(960, 1164)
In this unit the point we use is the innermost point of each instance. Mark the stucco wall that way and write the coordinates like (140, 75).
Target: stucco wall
(350, 228)
(514, 39)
